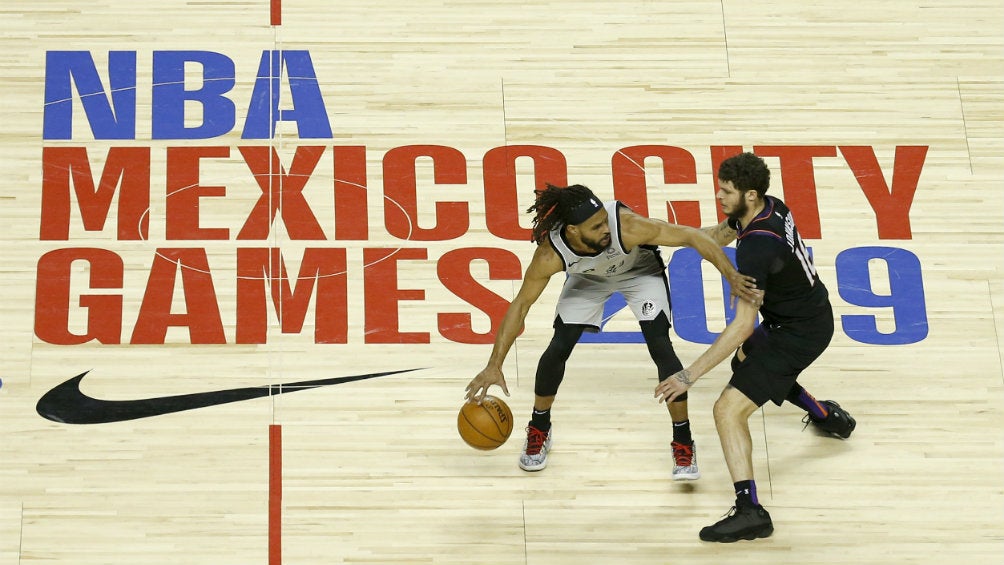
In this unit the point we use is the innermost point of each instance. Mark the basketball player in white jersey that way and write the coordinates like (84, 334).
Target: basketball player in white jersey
(602, 248)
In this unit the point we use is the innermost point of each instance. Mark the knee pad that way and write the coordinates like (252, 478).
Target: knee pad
(551, 367)
(660, 348)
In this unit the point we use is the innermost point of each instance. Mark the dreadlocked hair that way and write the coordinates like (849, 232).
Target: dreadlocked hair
(552, 206)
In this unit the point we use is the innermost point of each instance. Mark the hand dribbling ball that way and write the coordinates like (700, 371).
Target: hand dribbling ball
(485, 426)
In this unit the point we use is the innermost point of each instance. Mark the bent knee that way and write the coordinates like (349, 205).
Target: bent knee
(721, 409)
(733, 405)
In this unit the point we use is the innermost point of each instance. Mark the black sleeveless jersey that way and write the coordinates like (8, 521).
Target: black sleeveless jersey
(770, 250)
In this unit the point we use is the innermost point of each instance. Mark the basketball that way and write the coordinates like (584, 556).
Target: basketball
(485, 426)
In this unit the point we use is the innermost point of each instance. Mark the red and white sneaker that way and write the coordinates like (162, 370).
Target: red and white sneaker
(538, 443)
(685, 457)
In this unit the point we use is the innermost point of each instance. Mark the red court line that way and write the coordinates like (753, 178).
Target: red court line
(277, 12)
(274, 494)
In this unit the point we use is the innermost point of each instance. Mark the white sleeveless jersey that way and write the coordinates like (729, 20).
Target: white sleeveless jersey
(613, 263)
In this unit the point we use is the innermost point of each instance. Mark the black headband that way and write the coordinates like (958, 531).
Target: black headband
(584, 210)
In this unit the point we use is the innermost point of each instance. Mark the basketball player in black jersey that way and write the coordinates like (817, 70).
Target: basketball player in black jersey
(602, 248)
(797, 327)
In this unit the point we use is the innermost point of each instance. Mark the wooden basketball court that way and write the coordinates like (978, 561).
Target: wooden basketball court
(218, 196)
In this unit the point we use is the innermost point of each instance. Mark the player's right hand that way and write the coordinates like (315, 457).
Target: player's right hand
(479, 385)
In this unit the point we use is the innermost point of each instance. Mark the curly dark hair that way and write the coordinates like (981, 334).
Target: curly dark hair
(553, 205)
(747, 172)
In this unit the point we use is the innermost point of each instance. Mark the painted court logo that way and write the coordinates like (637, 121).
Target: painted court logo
(127, 172)
(67, 404)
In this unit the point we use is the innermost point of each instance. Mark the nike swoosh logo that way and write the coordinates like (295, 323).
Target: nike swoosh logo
(67, 404)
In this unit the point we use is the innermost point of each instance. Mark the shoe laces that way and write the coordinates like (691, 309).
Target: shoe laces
(534, 440)
(683, 453)
(806, 420)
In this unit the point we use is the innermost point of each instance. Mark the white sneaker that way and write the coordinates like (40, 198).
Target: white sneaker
(685, 457)
(538, 443)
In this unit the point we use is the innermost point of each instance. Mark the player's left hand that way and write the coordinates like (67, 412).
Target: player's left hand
(677, 384)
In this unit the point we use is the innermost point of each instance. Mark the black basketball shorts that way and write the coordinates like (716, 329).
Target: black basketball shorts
(776, 355)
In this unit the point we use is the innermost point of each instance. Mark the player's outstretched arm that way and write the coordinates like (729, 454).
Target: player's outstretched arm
(727, 342)
(721, 233)
(639, 230)
(544, 264)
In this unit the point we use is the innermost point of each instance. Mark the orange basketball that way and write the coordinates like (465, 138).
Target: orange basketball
(486, 425)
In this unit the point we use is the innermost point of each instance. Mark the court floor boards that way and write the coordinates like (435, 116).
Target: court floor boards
(223, 196)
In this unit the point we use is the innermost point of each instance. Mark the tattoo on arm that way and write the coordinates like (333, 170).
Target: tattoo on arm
(684, 377)
(722, 234)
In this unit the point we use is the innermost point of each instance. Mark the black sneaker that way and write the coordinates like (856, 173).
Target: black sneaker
(742, 522)
(838, 422)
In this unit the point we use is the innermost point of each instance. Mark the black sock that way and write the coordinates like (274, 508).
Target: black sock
(801, 398)
(746, 494)
(681, 432)
(541, 419)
